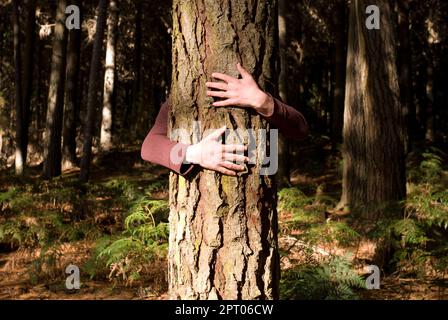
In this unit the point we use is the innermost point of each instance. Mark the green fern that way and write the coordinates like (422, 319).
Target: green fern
(144, 239)
(330, 280)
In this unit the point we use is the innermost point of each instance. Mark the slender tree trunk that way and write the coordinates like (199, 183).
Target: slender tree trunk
(374, 170)
(431, 70)
(53, 130)
(20, 156)
(405, 73)
(38, 113)
(136, 84)
(109, 78)
(337, 113)
(28, 73)
(71, 105)
(223, 230)
(430, 119)
(283, 174)
(93, 90)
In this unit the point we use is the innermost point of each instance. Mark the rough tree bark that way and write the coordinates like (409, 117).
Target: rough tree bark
(109, 78)
(71, 105)
(373, 150)
(93, 91)
(223, 230)
(53, 129)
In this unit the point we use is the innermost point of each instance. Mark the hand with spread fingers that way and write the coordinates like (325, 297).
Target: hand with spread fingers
(211, 154)
(243, 92)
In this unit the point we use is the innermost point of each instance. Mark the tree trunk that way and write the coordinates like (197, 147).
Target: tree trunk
(283, 174)
(109, 78)
(223, 230)
(337, 113)
(433, 38)
(374, 169)
(71, 105)
(20, 156)
(93, 90)
(28, 73)
(133, 113)
(53, 130)
(405, 73)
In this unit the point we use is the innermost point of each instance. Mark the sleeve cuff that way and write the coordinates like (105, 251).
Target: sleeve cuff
(180, 166)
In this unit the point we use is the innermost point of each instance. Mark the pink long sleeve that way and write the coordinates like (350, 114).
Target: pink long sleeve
(157, 146)
(288, 120)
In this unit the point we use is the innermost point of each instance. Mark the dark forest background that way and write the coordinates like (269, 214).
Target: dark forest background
(73, 188)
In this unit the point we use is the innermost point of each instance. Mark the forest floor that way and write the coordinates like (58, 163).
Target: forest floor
(18, 281)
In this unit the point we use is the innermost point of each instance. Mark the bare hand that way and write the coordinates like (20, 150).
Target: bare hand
(211, 154)
(243, 92)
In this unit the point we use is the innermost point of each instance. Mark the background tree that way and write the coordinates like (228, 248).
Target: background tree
(71, 102)
(340, 58)
(28, 68)
(373, 151)
(53, 129)
(93, 88)
(109, 78)
(283, 174)
(223, 242)
(19, 156)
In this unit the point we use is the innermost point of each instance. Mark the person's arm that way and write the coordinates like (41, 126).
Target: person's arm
(209, 153)
(157, 146)
(246, 93)
(287, 119)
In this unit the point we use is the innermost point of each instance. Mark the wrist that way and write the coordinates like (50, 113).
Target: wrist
(191, 155)
(265, 104)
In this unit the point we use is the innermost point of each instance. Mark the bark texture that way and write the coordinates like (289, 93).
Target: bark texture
(223, 230)
(373, 151)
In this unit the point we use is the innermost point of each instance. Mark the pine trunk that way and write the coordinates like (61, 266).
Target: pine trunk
(283, 174)
(109, 78)
(19, 157)
(373, 151)
(405, 73)
(28, 67)
(223, 230)
(337, 113)
(53, 130)
(93, 91)
(71, 105)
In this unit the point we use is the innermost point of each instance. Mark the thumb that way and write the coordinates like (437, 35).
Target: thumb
(242, 71)
(217, 133)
